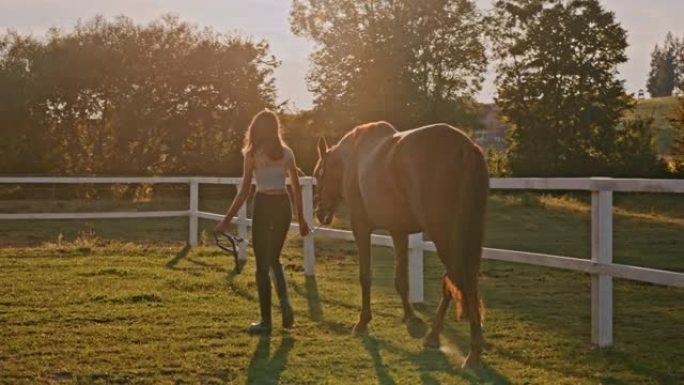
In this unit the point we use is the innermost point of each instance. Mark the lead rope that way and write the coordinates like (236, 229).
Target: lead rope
(231, 244)
(288, 238)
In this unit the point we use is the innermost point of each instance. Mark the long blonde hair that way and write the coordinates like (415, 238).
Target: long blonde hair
(264, 133)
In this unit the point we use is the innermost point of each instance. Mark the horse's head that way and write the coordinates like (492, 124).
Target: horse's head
(328, 174)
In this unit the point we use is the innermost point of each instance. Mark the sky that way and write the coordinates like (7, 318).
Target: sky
(647, 23)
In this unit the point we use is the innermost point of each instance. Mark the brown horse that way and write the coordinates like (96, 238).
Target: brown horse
(431, 179)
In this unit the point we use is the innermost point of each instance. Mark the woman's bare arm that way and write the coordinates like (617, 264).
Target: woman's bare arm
(242, 195)
(297, 192)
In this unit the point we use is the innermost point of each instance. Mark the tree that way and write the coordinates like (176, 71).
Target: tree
(407, 62)
(113, 97)
(678, 149)
(634, 153)
(22, 138)
(666, 71)
(556, 85)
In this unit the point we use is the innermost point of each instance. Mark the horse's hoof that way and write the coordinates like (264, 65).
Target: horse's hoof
(360, 330)
(416, 327)
(431, 341)
(472, 361)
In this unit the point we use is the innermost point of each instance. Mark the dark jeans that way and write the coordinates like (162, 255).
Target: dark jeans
(272, 216)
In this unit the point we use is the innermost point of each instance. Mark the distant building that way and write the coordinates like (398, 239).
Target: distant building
(492, 132)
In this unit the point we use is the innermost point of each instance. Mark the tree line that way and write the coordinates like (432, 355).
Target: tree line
(113, 97)
(667, 67)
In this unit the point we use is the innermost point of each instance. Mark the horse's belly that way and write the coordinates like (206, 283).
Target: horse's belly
(388, 213)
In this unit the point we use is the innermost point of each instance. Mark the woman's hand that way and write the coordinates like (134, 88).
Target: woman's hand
(303, 228)
(221, 227)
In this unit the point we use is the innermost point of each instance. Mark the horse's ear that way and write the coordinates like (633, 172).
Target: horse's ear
(322, 147)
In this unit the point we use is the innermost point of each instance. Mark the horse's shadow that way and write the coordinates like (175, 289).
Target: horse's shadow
(427, 361)
(310, 291)
(264, 369)
(372, 346)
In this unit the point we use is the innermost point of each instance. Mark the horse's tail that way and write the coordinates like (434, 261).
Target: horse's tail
(451, 289)
(462, 281)
(462, 309)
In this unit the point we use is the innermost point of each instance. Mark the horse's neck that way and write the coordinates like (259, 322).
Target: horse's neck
(361, 147)
(344, 152)
(369, 186)
(364, 155)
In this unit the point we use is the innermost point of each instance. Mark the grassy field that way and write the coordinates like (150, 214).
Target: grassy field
(662, 111)
(80, 308)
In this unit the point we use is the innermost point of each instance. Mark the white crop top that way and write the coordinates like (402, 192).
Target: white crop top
(270, 178)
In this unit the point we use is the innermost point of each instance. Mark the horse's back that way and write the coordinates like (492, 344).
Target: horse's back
(433, 165)
(430, 139)
(411, 180)
(437, 151)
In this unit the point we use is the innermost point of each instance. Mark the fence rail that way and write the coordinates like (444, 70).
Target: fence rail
(600, 266)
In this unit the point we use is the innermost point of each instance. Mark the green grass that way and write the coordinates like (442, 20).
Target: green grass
(86, 310)
(141, 314)
(662, 111)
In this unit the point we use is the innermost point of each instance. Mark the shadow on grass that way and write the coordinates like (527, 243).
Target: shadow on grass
(185, 251)
(545, 314)
(453, 338)
(639, 367)
(179, 255)
(614, 358)
(428, 361)
(264, 369)
(313, 299)
(210, 266)
(230, 277)
(372, 345)
(230, 280)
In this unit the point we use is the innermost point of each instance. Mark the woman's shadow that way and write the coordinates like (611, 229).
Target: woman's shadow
(264, 369)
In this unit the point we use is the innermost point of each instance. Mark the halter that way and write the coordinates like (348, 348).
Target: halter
(231, 245)
(319, 187)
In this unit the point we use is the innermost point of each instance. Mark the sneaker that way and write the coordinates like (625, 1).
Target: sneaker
(261, 327)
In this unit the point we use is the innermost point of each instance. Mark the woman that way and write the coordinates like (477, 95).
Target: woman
(269, 160)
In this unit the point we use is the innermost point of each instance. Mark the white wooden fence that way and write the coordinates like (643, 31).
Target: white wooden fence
(601, 266)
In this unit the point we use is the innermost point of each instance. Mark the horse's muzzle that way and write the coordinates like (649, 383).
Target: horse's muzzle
(324, 217)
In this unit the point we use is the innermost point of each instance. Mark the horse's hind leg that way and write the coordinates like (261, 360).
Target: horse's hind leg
(446, 253)
(414, 325)
(476, 338)
(431, 340)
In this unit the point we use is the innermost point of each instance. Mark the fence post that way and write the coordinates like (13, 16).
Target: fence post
(601, 252)
(415, 262)
(242, 229)
(308, 211)
(194, 208)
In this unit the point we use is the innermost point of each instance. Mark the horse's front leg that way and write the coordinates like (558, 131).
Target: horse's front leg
(414, 325)
(363, 243)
